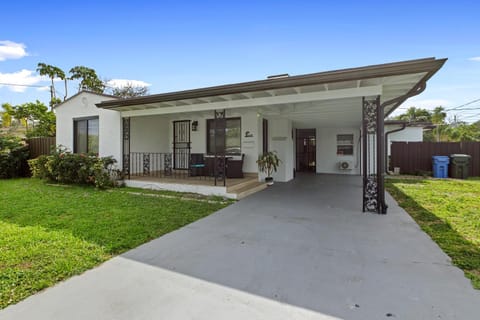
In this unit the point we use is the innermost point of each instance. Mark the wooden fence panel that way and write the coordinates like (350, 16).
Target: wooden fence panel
(40, 146)
(413, 157)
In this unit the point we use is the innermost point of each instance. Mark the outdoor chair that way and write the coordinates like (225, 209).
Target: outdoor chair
(235, 167)
(197, 165)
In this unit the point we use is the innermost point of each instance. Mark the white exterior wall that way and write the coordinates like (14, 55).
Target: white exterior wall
(149, 134)
(281, 141)
(410, 134)
(327, 158)
(155, 134)
(82, 106)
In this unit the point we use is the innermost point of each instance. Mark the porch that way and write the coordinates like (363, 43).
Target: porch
(180, 181)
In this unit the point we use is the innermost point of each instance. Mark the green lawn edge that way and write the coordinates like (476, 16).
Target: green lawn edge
(51, 232)
(464, 253)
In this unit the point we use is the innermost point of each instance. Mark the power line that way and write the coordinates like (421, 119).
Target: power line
(472, 116)
(22, 85)
(463, 105)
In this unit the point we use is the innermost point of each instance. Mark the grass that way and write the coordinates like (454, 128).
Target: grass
(50, 232)
(449, 211)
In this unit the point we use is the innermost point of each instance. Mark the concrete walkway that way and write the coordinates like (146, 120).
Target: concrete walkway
(299, 250)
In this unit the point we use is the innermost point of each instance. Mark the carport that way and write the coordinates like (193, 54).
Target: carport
(341, 107)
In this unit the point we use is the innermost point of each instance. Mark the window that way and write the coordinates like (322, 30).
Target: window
(85, 133)
(344, 144)
(233, 137)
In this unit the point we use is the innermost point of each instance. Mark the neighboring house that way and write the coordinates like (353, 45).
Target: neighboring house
(409, 132)
(325, 122)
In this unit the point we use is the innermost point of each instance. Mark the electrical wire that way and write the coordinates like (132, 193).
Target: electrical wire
(21, 85)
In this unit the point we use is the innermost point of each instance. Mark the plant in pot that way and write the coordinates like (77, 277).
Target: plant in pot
(268, 163)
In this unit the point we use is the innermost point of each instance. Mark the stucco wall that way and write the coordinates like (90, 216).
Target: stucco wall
(82, 106)
(148, 134)
(281, 141)
(327, 158)
(155, 134)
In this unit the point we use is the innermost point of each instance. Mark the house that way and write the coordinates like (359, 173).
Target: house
(404, 131)
(328, 122)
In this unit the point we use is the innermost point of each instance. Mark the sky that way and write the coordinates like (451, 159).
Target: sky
(178, 45)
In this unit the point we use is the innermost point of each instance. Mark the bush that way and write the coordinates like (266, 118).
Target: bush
(13, 157)
(66, 167)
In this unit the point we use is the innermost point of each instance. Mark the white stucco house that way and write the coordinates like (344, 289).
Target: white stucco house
(402, 131)
(328, 122)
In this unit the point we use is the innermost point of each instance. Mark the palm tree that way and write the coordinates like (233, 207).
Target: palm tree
(438, 118)
(47, 70)
(88, 79)
(415, 115)
(59, 73)
(52, 72)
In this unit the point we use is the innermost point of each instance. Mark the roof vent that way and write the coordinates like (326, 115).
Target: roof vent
(278, 76)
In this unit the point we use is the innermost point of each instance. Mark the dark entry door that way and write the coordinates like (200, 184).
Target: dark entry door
(306, 150)
(181, 144)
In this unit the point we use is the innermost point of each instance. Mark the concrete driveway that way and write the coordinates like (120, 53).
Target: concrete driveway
(299, 250)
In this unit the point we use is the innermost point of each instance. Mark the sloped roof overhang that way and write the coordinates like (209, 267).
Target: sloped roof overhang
(391, 81)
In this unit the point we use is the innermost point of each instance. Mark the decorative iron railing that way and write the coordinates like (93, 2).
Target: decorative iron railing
(176, 165)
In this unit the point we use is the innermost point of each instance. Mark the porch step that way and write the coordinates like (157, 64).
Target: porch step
(238, 186)
(248, 189)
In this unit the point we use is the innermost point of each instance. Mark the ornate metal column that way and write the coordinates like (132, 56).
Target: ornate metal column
(126, 147)
(373, 157)
(220, 125)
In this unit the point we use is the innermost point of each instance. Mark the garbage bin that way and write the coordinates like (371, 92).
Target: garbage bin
(440, 166)
(460, 166)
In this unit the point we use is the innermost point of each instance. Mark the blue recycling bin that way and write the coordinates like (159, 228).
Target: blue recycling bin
(440, 166)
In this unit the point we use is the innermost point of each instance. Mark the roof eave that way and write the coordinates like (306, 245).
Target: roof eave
(429, 65)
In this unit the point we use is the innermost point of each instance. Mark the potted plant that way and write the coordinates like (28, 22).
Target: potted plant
(268, 163)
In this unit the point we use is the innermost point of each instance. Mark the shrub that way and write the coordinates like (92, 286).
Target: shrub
(66, 167)
(13, 157)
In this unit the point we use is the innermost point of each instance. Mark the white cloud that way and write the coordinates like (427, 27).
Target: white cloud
(12, 50)
(120, 83)
(474, 59)
(24, 78)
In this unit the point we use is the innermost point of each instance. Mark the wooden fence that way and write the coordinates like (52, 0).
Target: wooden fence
(40, 146)
(415, 157)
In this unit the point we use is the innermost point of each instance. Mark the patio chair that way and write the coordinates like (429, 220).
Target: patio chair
(235, 167)
(197, 165)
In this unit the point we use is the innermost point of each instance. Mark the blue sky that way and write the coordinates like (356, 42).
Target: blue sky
(176, 45)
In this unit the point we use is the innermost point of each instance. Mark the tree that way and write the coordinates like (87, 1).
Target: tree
(46, 126)
(130, 91)
(52, 72)
(36, 114)
(415, 115)
(88, 79)
(465, 132)
(7, 115)
(438, 116)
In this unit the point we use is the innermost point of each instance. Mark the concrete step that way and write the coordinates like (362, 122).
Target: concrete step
(250, 189)
(235, 188)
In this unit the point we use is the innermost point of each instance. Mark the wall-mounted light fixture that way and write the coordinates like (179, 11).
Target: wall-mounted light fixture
(194, 125)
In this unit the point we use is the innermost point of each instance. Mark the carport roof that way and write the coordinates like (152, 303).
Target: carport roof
(390, 80)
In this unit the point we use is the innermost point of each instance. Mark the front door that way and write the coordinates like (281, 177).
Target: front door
(306, 150)
(181, 144)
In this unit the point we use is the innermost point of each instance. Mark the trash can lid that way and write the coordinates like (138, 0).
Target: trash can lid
(457, 155)
(440, 157)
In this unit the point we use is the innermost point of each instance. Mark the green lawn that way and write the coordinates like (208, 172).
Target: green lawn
(50, 232)
(449, 211)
